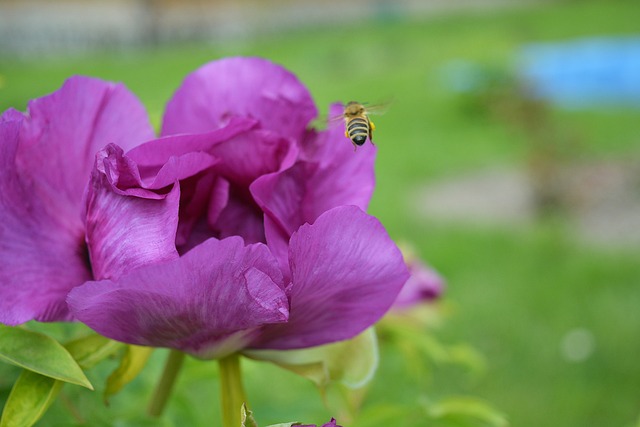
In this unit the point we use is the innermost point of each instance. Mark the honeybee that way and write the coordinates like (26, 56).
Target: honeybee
(358, 125)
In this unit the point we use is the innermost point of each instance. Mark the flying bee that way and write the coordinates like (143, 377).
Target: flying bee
(358, 125)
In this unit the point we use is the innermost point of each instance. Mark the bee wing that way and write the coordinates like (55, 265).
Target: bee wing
(336, 118)
(324, 121)
(379, 108)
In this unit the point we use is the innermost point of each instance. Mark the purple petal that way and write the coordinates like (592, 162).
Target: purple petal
(332, 175)
(63, 131)
(331, 423)
(282, 196)
(157, 152)
(129, 228)
(346, 272)
(240, 87)
(241, 155)
(343, 176)
(209, 302)
(240, 217)
(253, 154)
(45, 170)
(424, 285)
(43, 253)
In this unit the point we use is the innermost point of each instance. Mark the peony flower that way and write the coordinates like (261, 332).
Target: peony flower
(239, 228)
(46, 156)
(331, 423)
(424, 285)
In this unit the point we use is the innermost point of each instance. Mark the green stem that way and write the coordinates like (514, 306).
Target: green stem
(163, 390)
(232, 394)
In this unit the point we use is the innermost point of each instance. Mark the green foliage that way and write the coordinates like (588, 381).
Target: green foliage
(466, 409)
(352, 362)
(41, 354)
(41, 381)
(133, 360)
(340, 370)
(31, 396)
(90, 350)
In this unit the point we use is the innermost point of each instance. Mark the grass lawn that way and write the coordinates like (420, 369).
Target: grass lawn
(515, 294)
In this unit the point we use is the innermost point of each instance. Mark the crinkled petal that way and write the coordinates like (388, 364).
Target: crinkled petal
(46, 164)
(43, 255)
(253, 154)
(241, 154)
(332, 175)
(240, 87)
(125, 230)
(63, 132)
(346, 272)
(209, 302)
(155, 153)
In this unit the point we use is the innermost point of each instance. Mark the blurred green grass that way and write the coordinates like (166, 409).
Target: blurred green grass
(514, 292)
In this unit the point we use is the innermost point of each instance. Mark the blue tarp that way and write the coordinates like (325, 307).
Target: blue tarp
(586, 73)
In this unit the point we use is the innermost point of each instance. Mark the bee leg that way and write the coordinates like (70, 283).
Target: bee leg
(372, 127)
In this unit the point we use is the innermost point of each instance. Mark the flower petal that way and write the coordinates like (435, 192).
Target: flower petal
(208, 302)
(155, 153)
(424, 285)
(346, 272)
(241, 155)
(240, 217)
(252, 154)
(240, 87)
(43, 254)
(127, 229)
(332, 175)
(64, 130)
(46, 165)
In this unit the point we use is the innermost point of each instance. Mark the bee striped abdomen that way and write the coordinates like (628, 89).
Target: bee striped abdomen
(358, 130)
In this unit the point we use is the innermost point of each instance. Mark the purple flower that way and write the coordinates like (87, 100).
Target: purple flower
(424, 285)
(46, 156)
(239, 228)
(331, 423)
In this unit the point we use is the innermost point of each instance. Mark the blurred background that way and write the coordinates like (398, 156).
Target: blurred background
(509, 159)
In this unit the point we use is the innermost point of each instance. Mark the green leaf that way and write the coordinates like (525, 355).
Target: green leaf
(40, 353)
(92, 349)
(285, 424)
(351, 362)
(131, 364)
(467, 407)
(30, 397)
(246, 417)
(32, 394)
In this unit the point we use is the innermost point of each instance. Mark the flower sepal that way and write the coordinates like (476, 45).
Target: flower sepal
(339, 370)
